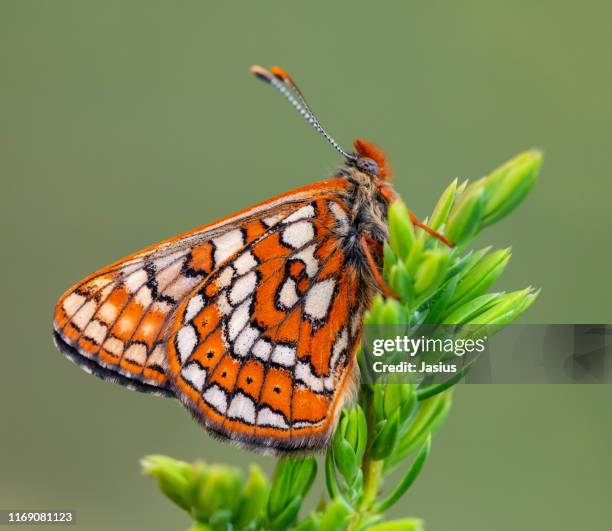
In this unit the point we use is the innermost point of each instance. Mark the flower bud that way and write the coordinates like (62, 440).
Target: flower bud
(172, 477)
(400, 282)
(218, 491)
(464, 219)
(508, 185)
(349, 443)
(401, 231)
(431, 271)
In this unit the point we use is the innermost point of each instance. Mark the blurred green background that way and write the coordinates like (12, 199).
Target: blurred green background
(125, 122)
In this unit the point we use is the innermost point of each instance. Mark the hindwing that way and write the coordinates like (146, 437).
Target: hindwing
(261, 352)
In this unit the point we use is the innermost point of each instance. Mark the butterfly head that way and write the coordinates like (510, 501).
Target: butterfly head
(370, 159)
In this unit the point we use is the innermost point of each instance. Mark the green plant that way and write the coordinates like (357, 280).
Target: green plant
(390, 427)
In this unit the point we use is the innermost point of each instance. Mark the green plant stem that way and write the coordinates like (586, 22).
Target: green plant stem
(372, 469)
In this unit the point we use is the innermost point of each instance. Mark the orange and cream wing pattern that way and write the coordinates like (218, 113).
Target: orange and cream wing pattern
(262, 351)
(115, 323)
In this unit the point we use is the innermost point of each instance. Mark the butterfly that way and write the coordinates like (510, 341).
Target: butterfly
(252, 321)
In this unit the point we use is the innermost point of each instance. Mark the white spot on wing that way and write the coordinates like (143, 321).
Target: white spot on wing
(114, 346)
(243, 287)
(195, 375)
(215, 397)
(134, 280)
(288, 294)
(242, 407)
(186, 340)
(245, 340)
(303, 372)
(108, 312)
(136, 353)
(267, 417)
(165, 261)
(194, 306)
(303, 213)
(245, 262)
(306, 424)
(84, 315)
(223, 304)
(225, 277)
(283, 355)
(307, 256)
(162, 306)
(180, 287)
(168, 275)
(96, 330)
(157, 356)
(227, 244)
(72, 303)
(339, 346)
(239, 319)
(298, 234)
(143, 297)
(272, 220)
(319, 298)
(262, 349)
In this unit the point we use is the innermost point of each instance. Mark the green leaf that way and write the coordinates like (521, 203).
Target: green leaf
(429, 416)
(469, 311)
(406, 482)
(287, 516)
(335, 517)
(506, 308)
(443, 207)
(479, 278)
(385, 440)
(345, 459)
(330, 475)
(253, 498)
(292, 480)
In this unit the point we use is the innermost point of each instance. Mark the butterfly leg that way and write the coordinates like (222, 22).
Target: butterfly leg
(387, 292)
(417, 223)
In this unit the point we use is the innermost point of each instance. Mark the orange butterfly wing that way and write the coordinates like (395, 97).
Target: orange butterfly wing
(262, 351)
(115, 322)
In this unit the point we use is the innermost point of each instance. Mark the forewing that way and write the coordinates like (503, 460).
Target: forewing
(115, 322)
(262, 351)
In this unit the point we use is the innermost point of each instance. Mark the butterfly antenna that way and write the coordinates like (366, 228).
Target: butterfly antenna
(284, 83)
